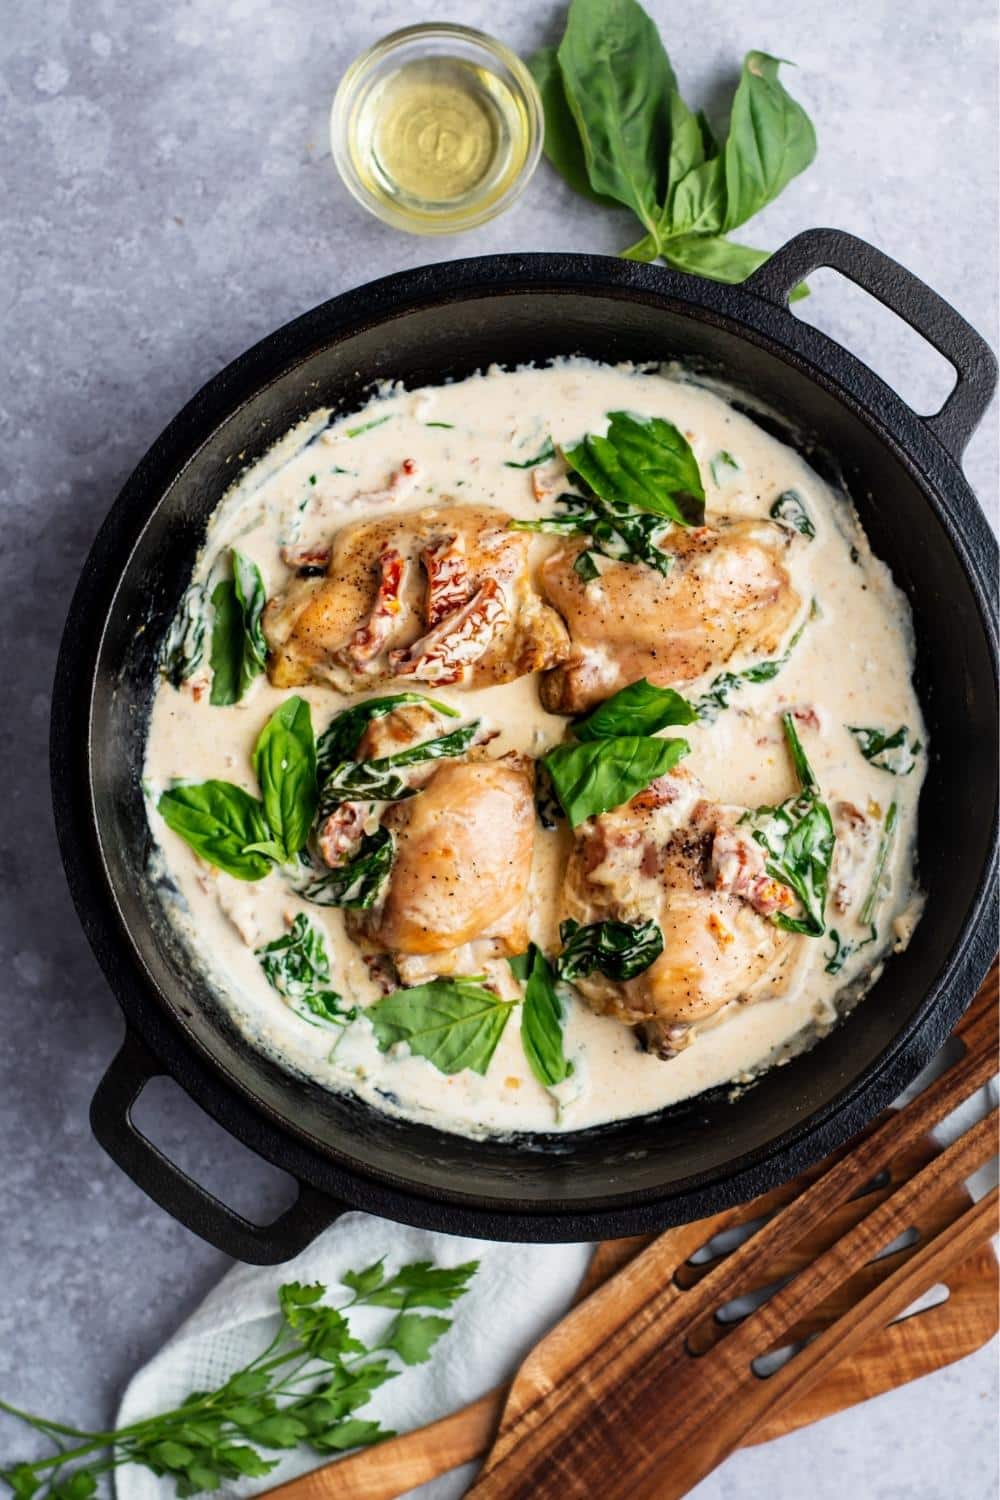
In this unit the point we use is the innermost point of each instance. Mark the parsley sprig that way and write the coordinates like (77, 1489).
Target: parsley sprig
(303, 1390)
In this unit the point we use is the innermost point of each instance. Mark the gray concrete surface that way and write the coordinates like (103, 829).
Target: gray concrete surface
(167, 197)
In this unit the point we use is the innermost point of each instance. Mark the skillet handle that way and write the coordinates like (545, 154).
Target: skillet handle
(912, 300)
(193, 1206)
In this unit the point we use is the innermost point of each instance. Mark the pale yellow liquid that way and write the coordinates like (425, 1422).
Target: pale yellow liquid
(438, 134)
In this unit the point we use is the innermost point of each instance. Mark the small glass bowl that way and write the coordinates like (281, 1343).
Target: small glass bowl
(355, 112)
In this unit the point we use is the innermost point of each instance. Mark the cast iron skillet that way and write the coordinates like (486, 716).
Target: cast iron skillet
(426, 326)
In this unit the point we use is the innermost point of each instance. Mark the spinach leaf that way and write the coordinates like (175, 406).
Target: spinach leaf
(341, 737)
(771, 140)
(619, 533)
(222, 823)
(618, 950)
(184, 645)
(298, 967)
(643, 463)
(637, 709)
(722, 465)
(285, 763)
(789, 509)
(842, 950)
(591, 778)
(585, 566)
(377, 780)
(546, 452)
(890, 752)
(716, 698)
(877, 889)
(542, 1020)
(239, 650)
(797, 837)
(618, 81)
(562, 144)
(453, 1023)
(357, 884)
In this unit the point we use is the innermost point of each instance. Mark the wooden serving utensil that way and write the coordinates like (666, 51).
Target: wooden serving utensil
(673, 1362)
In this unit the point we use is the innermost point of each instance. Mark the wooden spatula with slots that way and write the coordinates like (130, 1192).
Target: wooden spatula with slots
(672, 1363)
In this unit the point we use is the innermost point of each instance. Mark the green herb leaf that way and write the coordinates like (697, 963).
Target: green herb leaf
(618, 80)
(771, 140)
(638, 709)
(562, 144)
(711, 703)
(542, 1021)
(353, 432)
(453, 1023)
(546, 452)
(222, 823)
(789, 509)
(618, 950)
(797, 837)
(643, 463)
(377, 780)
(341, 738)
(184, 645)
(591, 778)
(239, 649)
(413, 1336)
(890, 752)
(422, 1284)
(285, 763)
(877, 889)
(351, 1434)
(357, 884)
(723, 465)
(298, 967)
(842, 950)
(623, 534)
(585, 567)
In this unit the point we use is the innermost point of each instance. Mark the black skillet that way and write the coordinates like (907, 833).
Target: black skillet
(444, 322)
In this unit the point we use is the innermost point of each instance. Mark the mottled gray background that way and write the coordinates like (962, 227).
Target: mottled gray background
(167, 198)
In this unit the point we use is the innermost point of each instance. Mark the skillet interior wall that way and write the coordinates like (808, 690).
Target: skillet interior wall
(954, 680)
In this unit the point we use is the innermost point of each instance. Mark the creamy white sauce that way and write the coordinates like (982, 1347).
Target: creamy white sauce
(852, 665)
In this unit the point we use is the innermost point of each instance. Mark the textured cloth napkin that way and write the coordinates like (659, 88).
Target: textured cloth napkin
(518, 1292)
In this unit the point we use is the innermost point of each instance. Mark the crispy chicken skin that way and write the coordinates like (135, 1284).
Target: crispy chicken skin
(457, 895)
(672, 855)
(436, 596)
(728, 590)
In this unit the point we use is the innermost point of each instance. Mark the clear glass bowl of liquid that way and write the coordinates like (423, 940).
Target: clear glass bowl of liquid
(436, 128)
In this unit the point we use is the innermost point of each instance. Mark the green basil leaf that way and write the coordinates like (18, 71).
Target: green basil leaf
(687, 145)
(357, 884)
(618, 950)
(285, 763)
(889, 752)
(771, 139)
(542, 1021)
(591, 778)
(698, 203)
(298, 967)
(453, 1023)
(341, 738)
(562, 145)
(184, 645)
(638, 709)
(643, 463)
(219, 821)
(713, 256)
(798, 838)
(789, 509)
(618, 81)
(239, 649)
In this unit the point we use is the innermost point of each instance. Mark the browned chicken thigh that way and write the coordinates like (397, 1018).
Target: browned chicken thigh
(728, 590)
(673, 856)
(436, 596)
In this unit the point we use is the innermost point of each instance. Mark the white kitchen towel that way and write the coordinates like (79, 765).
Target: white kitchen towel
(518, 1292)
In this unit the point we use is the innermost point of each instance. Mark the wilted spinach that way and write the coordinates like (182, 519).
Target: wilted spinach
(298, 967)
(358, 883)
(618, 950)
(789, 510)
(890, 752)
(797, 837)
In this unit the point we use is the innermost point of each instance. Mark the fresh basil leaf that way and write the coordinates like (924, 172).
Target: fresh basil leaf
(638, 709)
(562, 144)
(341, 737)
(591, 778)
(358, 884)
(798, 838)
(789, 510)
(771, 140)
(285, 763)
(877, 890)
(643, 463)
(542, 1021)
(618, 950)
(543, 455)
(713, 256)
(239, 649)
(698, 203)
(298, 967)
(453, 1023)
(220, 822)
(618, 80)
(378, 780)
(890, 752)
(184, 645)
(687, 146)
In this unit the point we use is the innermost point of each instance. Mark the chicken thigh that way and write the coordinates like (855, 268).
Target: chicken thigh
(437, 596)
(673, 856)
(728, 590)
